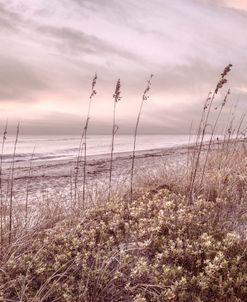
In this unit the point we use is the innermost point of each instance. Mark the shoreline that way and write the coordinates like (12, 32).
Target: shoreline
(72, 159)
(57, 176)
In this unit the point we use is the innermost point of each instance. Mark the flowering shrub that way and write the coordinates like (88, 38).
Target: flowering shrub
(158, 248)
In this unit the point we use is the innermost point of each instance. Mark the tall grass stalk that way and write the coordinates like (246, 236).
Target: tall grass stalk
(28, 185)
(93, 93)
(199, 133)
(1, 190)
(144, 98)
(227, 129)
(77, 167)
(188, 152)
(212, 134)
(83, 147)
(117, 98)
(222, 81)
(12, 184)
(242, 118)
(229, 132)
(228, 119)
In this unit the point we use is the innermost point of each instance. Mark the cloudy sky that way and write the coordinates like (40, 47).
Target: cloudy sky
(50, 50)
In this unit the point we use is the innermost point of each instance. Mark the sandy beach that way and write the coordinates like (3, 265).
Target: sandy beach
(57, 177)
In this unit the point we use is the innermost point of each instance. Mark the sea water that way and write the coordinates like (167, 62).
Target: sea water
(65, 147)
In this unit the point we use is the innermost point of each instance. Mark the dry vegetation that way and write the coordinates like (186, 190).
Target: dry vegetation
(180, 236)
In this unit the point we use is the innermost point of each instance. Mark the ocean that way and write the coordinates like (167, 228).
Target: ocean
(65, 147)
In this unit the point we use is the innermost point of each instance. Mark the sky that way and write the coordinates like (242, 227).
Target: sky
(50, 51)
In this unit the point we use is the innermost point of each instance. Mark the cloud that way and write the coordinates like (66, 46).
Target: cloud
(73, 41)
(9, 21)
(236, 4)
(100, 5)
(51, 49)
(233, 4)
(19, 80)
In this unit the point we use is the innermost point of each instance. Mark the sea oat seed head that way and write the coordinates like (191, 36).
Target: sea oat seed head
(117, 93)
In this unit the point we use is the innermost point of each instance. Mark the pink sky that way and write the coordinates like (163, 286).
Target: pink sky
(50, 51)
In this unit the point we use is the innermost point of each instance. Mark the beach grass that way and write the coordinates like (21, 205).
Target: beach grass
(161, 249)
